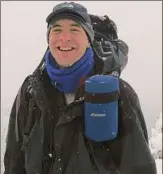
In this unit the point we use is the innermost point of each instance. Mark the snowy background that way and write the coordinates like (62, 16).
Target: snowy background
(23, 42)
(156, 143)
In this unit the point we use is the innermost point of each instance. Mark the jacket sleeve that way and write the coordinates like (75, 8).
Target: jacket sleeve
(14, 157)
(131, 150)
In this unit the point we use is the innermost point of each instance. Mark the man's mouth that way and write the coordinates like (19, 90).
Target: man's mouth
(66, 48)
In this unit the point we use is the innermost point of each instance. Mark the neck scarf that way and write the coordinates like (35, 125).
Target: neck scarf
(69, 79)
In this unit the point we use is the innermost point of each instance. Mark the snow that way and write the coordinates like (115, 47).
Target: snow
(159, 166)
(156, 143)
(3, 140)
(156, 137)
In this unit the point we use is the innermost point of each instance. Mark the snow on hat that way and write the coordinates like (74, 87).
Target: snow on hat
(74, 11)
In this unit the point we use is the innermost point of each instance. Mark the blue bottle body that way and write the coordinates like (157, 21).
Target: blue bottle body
(101, 117)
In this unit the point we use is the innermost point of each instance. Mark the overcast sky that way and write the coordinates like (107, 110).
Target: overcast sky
(23, 44)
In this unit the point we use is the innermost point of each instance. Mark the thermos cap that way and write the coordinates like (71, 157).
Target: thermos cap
(102, 84)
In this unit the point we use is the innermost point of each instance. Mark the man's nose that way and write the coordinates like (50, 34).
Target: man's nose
(65, 36)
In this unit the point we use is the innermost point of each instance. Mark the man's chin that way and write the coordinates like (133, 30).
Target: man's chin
(65, 65)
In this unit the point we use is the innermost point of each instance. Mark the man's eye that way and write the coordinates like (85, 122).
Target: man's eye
(75, 29)
(56, 30)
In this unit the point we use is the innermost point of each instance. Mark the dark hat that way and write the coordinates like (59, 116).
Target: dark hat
(74, 11)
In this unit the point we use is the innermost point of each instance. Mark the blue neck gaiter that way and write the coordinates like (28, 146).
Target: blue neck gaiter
(69, 79)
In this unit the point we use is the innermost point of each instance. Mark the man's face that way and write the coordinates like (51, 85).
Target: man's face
(67, 42)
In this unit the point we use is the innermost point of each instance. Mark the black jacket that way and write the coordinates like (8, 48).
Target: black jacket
(46, 136)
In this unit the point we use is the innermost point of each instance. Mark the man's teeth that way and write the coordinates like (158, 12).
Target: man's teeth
(66, 48)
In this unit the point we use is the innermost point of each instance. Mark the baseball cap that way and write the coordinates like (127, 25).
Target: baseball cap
(74, 11)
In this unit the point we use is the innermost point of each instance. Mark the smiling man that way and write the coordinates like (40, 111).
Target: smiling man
(47, 123)
(69, 36)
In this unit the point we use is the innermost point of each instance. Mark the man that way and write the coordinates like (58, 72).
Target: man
(46, 134)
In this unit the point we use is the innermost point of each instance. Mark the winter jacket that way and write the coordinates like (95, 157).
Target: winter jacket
(46, 136)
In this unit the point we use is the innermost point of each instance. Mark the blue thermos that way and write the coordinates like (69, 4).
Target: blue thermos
(101, 107)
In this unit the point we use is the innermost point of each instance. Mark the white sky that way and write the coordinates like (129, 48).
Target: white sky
(139, 24)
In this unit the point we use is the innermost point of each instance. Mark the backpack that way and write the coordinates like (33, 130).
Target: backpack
(113, 51)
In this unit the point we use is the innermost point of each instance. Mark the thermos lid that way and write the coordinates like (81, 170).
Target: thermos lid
(102, 84)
